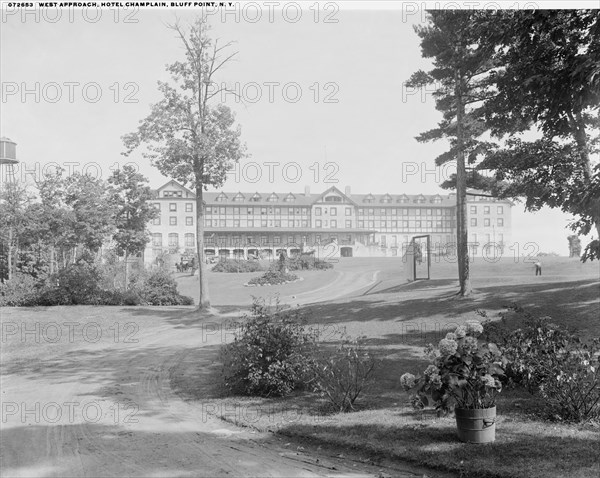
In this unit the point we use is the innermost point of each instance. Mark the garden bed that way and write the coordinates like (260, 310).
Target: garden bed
(273, 277)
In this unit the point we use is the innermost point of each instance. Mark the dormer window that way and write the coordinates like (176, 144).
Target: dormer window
(273, 198)
(436, 199)
(386, 199)
(221, 197)
(420, 199)
(289, 198)
(256, 197)
(239, 197)
(369, 198)
(403, 199)
(172, 194)
(333, 199)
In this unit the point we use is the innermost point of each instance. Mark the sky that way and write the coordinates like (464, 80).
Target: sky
(325, 102)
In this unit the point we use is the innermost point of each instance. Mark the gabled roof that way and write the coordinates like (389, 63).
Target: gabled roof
(333, 189)
(174, 185)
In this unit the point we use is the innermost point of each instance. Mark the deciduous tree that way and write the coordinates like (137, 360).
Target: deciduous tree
(187, 136)
(129, 196)
(548, 82)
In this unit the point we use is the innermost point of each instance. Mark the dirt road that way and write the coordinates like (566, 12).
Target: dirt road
(86, 392)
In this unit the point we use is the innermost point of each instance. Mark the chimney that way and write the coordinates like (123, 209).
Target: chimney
(307, 191)
(347, 191)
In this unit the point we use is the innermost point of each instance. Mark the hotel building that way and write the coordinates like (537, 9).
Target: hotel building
(332, 223)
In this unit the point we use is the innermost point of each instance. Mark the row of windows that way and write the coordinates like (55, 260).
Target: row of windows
(189, 221)
(256, 223)
(402, 199)
(486, 222)
(332, 223)
(173, 238)
(405, 212)
(189, 207)
(332, 211)
(411, 224)
(486, 209)
(250, 211)
(255, 198)
(407, 224)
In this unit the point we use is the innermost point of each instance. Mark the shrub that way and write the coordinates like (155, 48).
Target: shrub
(464, 372)
(272, 277)
(228, 265)
(20, 291)
(80, 282)
(271, 353)
(307, 262)
(160, 288)
(555, 365)
(340, 376)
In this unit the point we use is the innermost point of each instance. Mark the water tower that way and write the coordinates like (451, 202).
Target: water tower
(8, 159)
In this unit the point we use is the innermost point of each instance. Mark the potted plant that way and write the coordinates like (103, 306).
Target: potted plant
(464, 376)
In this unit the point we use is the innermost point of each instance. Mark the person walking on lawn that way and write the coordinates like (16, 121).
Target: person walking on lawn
(538, 268)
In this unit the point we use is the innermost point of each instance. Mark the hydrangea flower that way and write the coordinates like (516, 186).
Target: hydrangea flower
(407, 380)
(473, 327)
(436, 381)
(448, 347)
(469, 345)
(488, 380)
(451, 336)
(431, 352)
(460, 331)
(431, 370)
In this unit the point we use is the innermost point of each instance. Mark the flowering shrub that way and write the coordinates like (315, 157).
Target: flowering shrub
(271, 354)
(464, 373)
(555, 365)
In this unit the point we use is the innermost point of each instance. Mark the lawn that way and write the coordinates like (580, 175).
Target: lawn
(398, 320)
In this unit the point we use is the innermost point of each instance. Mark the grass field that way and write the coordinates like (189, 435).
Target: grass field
(399, 319)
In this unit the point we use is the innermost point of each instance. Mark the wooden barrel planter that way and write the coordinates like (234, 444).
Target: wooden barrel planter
(476, 425)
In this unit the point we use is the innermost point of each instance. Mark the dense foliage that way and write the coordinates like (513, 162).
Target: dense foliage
(307, 262)
(553, 364)
(530, 81)
(275, 353)
(236, 265)
(89, 283)
(270, 355)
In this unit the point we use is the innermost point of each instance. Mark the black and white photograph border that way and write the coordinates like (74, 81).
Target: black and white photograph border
(297, 239)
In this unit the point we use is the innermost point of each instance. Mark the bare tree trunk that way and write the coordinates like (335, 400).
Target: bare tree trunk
(204, 300)
(462, 248)
(10, 252)
(126, 271)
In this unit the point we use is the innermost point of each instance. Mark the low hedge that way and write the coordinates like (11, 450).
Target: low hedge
(229, 265)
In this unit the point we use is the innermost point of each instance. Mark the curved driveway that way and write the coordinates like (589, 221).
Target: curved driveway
(86, 392)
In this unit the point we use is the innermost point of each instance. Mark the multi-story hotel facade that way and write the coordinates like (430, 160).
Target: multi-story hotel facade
(332, 223)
